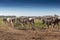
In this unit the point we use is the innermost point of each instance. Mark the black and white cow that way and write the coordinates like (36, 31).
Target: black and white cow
(47, 21)
(9, 21)
(51, 20)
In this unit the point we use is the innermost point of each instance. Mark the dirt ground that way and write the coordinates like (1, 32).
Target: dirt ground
(13, 34)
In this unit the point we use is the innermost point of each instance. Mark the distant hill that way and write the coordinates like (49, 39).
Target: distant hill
(7, 16)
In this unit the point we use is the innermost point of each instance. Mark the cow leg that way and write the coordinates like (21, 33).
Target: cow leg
(48, 26)
(58, 26)
(33, 27)
(54, 25)
(22, 24)
(12, 25)
(30, 25)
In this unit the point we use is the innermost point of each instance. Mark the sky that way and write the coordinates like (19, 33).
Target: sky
(29, 7)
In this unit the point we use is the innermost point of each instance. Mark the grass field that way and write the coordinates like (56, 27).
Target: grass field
(38, 24)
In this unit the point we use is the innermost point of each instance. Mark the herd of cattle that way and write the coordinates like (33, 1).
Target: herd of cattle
(48, 20)
(19, 20)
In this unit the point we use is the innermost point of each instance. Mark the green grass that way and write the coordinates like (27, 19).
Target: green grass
(38, 23)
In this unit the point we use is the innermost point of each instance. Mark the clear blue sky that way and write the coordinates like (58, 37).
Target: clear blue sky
(29, 7)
